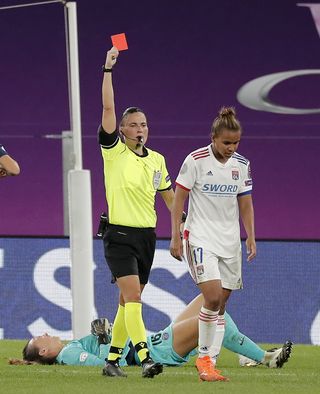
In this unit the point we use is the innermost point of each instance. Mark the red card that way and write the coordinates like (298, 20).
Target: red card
(119, 41)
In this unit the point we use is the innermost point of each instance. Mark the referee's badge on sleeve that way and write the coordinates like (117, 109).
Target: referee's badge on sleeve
(157, 175)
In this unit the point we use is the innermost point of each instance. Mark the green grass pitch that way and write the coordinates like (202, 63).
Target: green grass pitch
(301, 374)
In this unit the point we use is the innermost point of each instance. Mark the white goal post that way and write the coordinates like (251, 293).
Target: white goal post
(80, 206)
(79, 186)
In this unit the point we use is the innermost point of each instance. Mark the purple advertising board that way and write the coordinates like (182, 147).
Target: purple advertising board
(185, 60)
(36, 295)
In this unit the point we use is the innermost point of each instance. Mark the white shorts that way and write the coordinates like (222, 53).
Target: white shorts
(205, 265)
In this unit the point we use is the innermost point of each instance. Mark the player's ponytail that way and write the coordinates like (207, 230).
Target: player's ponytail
(17, 361)
(226, 120)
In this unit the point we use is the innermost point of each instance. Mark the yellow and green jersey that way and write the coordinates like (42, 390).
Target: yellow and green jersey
(131, 183)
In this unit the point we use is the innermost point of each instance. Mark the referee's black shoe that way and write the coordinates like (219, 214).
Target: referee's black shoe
(151, 368)
(113, 370)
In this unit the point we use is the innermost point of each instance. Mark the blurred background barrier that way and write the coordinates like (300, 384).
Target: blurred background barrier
(280, 299)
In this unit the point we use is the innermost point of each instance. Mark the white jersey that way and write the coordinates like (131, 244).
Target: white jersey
(213, 213)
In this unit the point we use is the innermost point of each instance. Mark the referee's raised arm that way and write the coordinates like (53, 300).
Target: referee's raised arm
(109, 121)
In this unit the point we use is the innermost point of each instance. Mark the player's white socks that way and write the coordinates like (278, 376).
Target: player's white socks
(270, 358)
(207, 329)
(217, 340)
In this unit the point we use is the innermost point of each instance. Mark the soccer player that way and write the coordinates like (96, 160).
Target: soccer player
(218, 182)
(172, 346)
(133, 174)
(8, 166)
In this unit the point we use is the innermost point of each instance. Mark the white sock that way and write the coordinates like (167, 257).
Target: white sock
(270, 358)
(218, 339)
(207, 328)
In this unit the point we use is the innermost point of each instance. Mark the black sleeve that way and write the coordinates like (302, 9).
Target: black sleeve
(107, 140)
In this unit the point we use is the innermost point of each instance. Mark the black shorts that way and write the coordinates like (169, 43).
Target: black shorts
(129, 251)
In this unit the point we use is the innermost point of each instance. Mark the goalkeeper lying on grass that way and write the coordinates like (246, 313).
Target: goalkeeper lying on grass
(171, 346)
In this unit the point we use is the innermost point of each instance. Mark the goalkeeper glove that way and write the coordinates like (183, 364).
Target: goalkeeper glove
(102, 329)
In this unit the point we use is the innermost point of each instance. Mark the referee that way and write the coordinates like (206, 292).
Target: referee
(133, 174)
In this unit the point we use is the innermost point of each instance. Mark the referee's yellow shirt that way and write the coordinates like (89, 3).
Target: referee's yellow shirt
(131, 183)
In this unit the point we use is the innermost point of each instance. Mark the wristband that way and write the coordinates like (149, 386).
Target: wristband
(106, 70)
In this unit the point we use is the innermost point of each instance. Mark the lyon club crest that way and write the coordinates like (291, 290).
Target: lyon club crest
(157, 175)
(235, 175)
